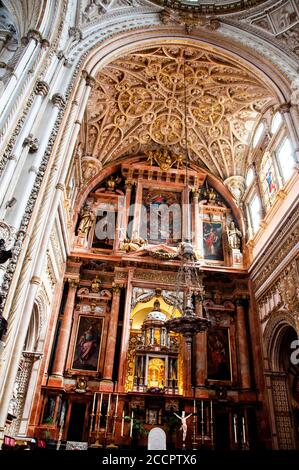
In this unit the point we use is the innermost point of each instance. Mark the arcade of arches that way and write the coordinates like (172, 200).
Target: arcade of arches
(129, 127)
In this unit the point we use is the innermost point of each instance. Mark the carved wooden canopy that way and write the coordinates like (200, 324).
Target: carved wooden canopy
(137, 104)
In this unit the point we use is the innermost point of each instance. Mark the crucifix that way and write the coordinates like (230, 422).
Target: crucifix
(183, 419)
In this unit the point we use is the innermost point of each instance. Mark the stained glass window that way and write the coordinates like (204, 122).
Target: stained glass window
(249, 177)
(285, 159)
(258, 134)
(276, 122)
(268, 180)
(255, 212)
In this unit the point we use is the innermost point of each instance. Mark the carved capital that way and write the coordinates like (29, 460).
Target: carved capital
(35, 280)
(3, 327)
(60, 186)
(32, 143)
(45, 43)
(73, 283)
(128, 184)
(34, 34)
(90, 81)
(41, 88)
(58, 100)
(285, 107)
(76, 33)
(116, 288)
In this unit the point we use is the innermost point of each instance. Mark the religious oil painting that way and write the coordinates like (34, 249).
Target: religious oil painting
(212, 241)
(163, 216)
(88, 342)
(218, 354)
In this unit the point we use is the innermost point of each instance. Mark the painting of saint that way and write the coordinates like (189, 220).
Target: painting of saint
(218, 354)
(87, 343)
(212, 241)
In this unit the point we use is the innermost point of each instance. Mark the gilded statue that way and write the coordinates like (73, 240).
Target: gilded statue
(210, 195)
(132, 245)
(95, 285)
(86, 220)
(234, 236)
(164, 158)
(113, 182)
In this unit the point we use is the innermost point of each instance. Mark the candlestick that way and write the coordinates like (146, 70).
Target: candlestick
(243, 430)
(131, 425)
(212, 425)
(108, 414)
(122, 424)
(115, 415)
(235, 429)
(100, 411)
(92, 414)
(194, 425)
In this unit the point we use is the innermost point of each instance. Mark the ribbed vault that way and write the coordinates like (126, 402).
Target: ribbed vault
(138, 102)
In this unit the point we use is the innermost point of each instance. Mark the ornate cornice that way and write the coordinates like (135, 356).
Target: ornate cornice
(211, 8)
(277, 250)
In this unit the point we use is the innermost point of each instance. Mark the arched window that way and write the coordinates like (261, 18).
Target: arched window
(249, 177)
(258, 134)
(268, 180)
(276, 122)
(285, 159)
(254, 207)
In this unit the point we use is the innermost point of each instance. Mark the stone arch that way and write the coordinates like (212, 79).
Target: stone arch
(273, 336)
(28, 368)
(279, 330)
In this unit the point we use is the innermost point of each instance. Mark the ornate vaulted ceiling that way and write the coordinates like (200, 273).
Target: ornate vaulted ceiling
(138, 104)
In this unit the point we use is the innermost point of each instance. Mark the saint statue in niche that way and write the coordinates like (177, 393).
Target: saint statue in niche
(86, 220)
(234, 236)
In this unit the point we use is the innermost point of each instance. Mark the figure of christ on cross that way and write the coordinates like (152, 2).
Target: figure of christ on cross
(183, 419)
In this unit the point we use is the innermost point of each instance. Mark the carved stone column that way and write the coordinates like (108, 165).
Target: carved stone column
(112, 332)
(22, 383)
(242, 346)
(65, 330)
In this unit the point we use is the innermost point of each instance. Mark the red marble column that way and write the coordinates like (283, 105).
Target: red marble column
(112, 332)
(187, 367)
(125, 333)
(242, 346)
(200, 344)
(65, 329)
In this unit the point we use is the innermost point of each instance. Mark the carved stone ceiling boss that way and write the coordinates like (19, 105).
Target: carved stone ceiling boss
(138, 104)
